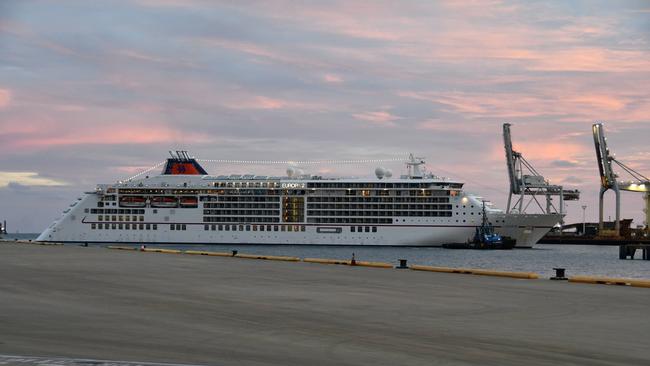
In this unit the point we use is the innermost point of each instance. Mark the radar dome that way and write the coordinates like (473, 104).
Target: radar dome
(291, 171)
(388, 173)
(380, 172)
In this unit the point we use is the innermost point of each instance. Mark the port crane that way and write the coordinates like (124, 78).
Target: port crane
(609, 179)
(525, 182)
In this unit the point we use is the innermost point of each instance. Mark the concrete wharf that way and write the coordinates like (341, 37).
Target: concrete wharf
(95, 303)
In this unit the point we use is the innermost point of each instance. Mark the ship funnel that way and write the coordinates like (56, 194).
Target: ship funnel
(182, 164)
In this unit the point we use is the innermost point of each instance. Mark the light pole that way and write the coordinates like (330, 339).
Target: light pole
(584, 207)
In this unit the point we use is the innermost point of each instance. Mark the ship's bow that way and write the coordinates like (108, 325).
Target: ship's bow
(526, 229)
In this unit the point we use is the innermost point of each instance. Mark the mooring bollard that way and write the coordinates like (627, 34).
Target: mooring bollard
(234, 253)
(559, 274)
(402, 264)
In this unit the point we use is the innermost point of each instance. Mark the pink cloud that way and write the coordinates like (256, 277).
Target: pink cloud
(262, 102)
(529, 47)
(380, 117)
(268, 103)
(332, 78)
(32, 38)
(445, 126)
(543, 150)
(262, 53)
(568, 103)
(5, 98)
(592, 59)
(168, 3)
(46, 132)
(380, 23)
(604, 102)
(481, 104)
(144, 57)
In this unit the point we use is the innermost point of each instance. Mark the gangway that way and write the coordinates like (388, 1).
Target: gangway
(525, 182)
(609, 179)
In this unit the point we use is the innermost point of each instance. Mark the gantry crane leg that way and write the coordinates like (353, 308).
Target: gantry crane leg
(647, 213)
(601, 196)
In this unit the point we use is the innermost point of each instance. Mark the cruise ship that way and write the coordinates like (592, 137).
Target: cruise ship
(186, 205)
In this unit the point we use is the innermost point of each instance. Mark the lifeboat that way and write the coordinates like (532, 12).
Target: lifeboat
(164, 201)
(132, 201)
(189, 202)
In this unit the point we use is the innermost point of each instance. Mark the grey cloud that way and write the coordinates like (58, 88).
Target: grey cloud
(573, 180)
(15, 186)
(564, 163)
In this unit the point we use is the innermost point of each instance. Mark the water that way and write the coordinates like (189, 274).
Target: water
(590, 260)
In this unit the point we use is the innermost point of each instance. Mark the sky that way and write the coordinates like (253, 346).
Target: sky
(94, 92)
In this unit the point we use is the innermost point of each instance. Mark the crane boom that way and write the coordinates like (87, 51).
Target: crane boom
(609, 179)
(510, 159)
(604, 159)
(526, 181)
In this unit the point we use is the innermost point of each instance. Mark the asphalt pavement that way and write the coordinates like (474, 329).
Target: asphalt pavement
(98, 304)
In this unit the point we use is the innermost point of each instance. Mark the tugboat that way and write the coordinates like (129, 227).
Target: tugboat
(485, 238)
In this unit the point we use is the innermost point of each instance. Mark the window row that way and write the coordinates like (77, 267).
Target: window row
(263, 184)
(114, 226)
(160, 191)
(367, 185)
(240, 219)
(120, 218)
(380, 213)
(115, 211)
(377, 199)
(359, 229)
(242, 212)
(250, 192)
(249, 227)
(239, 199)
(374, 206)
(274, 204)
(349, 220)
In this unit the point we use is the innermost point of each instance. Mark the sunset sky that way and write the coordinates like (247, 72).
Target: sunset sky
(96, 91)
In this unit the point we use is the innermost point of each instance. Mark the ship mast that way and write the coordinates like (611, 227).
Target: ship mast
(413, 166)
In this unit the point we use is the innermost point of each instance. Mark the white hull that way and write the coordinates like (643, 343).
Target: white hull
(75, 226)
(413, 210)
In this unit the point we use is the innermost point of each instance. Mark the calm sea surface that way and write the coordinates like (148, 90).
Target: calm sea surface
(577, 259)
